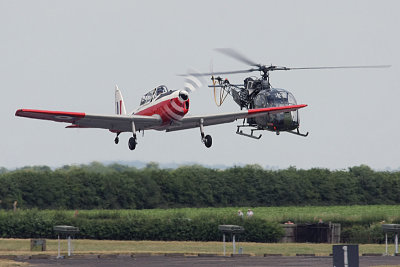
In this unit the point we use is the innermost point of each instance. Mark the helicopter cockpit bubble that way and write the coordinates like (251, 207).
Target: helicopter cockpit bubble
(275, 97)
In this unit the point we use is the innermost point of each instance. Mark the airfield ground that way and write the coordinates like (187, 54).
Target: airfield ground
(180, 261)
(16, 252)
(83, 246)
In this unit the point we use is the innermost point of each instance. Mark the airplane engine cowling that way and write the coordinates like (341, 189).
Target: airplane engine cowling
(183, 96)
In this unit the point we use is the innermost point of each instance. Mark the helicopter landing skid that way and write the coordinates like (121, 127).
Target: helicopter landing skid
(240, 132)
(298, 133)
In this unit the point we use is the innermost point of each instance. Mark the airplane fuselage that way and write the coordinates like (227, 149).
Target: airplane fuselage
(171, 107)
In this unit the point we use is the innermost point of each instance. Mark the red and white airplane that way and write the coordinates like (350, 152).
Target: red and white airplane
(160, 109)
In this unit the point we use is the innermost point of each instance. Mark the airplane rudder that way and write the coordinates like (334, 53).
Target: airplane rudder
(119, 102)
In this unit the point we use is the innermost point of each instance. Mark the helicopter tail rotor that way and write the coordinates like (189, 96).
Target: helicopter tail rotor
(221, 90)
(220, 93)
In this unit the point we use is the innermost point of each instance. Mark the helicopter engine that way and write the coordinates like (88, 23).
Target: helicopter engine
(240, 96)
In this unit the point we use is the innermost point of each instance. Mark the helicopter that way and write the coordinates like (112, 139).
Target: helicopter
(257, 92)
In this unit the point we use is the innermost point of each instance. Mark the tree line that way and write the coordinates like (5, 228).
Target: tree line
(115, 186)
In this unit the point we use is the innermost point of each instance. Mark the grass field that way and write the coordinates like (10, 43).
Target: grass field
(341, 214)
(22, 247)
(361, 214)
(297, 214)
(11, 263)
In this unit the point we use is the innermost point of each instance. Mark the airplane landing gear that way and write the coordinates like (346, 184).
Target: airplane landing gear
(132, 143)
(206, 140)
(116, 140)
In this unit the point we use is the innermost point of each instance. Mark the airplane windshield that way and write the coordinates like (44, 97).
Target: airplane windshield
(147, 97)
(153, 94)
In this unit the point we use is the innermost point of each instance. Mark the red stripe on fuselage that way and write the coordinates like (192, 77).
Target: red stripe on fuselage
(166, 110)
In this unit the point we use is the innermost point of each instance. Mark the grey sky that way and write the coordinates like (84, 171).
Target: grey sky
(68, 55)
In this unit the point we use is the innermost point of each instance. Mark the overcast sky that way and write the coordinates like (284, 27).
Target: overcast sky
(68, 55)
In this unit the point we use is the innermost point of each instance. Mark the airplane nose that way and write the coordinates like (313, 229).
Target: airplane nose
(183, 96)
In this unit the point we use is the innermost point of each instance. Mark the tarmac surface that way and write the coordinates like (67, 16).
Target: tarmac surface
(155, 261)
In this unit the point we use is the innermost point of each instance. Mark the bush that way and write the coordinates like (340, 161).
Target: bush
(39, 224)
(363, 234)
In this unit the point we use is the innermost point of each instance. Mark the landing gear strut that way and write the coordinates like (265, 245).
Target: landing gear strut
(132, 141)
(206, 140)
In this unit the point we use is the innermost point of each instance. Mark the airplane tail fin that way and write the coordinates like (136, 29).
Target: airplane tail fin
(119, 102)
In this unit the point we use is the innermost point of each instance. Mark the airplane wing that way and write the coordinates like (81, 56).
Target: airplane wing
(115, 123)
(189, 122)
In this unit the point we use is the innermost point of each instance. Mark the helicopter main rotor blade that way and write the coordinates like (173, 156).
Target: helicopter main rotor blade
(218, 73)
(236, 55)
(336, 67)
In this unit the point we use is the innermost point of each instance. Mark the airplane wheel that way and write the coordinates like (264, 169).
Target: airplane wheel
(132, 143)
(116, 140)
(208, 141)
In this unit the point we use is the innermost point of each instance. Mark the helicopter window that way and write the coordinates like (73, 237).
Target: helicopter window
(248, 83)
(291, 99)
(280, 97)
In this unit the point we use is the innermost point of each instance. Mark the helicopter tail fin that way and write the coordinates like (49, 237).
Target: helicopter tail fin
(119, 102)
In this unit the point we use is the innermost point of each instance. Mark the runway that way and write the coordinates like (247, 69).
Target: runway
(155, 261)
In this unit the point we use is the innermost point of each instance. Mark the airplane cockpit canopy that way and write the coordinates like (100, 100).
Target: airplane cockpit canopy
(153, 94)
(161, 89)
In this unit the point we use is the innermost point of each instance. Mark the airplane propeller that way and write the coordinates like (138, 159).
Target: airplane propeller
(192, 81)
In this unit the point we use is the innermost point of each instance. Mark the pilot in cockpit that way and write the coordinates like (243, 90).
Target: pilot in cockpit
(161, 89)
